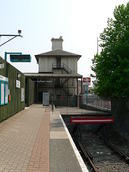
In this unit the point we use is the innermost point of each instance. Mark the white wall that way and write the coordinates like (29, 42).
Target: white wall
(71, 62)
(45, 63)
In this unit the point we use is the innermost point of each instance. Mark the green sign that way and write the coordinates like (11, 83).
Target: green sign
(20, 58)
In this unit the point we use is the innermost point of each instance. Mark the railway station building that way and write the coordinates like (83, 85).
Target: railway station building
(58, 76)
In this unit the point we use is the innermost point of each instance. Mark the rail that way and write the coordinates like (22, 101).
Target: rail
(124, 156)
(88, 157)
(62, 66)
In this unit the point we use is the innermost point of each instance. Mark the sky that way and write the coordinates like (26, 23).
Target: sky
(79, 22)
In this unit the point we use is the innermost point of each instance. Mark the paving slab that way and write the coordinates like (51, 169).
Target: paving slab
(21, 142)
(75, 111)
(62, 156)
(34, 140)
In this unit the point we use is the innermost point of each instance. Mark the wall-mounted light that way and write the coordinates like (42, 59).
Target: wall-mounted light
(18, 75)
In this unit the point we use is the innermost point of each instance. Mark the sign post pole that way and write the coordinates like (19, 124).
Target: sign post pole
(86, 89)
(86, 83)
(5, 57)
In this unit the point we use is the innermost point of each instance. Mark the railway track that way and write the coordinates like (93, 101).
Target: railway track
(99, 154)
(101, 157)
(118, 144)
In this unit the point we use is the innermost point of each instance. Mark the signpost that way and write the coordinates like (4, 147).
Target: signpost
(20, 58)
(18, 84)
(86, 80)
(16, 57)
(86, 83)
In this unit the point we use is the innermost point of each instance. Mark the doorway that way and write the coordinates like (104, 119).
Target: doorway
(58, 62)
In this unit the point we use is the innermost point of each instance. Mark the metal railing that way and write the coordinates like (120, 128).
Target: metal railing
(96, 101)
(62, 66)
(67, 68)
(65, 100)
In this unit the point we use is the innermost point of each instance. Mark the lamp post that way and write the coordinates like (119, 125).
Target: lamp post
(12, 37)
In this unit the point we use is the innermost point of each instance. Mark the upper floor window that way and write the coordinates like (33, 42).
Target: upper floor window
(58, 62)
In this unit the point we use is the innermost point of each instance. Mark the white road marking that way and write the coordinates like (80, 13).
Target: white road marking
(79, 158)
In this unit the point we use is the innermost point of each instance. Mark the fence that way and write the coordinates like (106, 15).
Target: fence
(95, 101)
(65, 101)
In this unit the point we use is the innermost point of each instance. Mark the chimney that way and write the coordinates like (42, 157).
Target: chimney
(57, 43)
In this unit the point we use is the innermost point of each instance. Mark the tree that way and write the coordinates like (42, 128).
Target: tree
(112, 64)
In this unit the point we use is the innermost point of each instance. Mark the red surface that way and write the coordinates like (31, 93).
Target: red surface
(96, 120)
(9, 98)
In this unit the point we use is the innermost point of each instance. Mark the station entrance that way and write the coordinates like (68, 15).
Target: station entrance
(63, 89)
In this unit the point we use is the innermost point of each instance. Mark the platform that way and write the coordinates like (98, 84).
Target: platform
(62, 156)
(35, 140)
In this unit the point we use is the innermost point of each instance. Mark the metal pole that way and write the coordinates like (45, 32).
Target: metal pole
(77, 86)
(86, 89)
(53, 95)
(77, 94)
(8, 35)
(8, 41)
(97, 45)
(5, 56)
(13, 53)
(81, 85)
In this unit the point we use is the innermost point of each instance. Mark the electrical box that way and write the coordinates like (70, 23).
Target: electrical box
(45, 98)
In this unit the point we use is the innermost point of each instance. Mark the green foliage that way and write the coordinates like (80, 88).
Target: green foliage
(111, 66)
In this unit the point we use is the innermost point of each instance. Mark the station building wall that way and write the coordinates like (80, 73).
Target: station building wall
(14, 90)
(29, 92)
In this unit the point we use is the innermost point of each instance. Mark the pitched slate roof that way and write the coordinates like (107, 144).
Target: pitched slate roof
(57, 53)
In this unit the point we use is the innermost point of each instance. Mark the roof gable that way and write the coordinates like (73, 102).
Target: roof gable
(57, 53)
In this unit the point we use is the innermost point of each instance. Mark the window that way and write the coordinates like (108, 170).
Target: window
(58, 62)
(3, 90)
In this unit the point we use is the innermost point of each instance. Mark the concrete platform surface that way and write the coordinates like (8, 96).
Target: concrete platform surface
(62, 156)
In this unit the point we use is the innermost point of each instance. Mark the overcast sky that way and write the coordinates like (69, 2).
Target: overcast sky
(79, 22)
